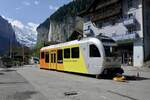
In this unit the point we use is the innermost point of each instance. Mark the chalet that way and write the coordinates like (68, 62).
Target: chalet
(126, 21)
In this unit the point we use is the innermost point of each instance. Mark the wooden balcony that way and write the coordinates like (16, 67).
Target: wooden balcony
(127, 36)
(105, 3)
(107, 13)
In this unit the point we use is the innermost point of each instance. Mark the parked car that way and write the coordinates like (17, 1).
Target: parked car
(7, 62)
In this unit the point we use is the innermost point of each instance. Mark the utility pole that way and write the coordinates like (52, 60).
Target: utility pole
(10, 48)
(23, 54)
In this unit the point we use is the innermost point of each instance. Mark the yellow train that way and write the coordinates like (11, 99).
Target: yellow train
(89, 56)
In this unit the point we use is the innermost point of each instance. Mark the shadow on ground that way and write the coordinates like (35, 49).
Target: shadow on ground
(1, 73)
(8, 70)
(23, 82)
(26, 95)
(108, 77)
(135, 78)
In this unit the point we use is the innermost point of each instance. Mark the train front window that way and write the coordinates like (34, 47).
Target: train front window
(42, 55)
(47, 57)
(94, 52)
(110, 51)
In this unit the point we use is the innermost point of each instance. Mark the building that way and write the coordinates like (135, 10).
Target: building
(126, 21)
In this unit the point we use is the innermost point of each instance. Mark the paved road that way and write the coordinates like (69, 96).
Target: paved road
(64, 86)
(15, 87)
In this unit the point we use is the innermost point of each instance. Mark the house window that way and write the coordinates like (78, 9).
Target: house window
(130, 15)
(99, 24)
(131, 29)
(130, 4)
(75, 52)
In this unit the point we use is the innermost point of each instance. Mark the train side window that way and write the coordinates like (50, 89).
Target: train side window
(42, 55)
(67, 53)
(51, 58)
(54, 58)
(94, 52)
(47, 57)
(75, 52)
(59, 56)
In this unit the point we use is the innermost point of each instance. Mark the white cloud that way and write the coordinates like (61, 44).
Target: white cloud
(52, 7)
(26, 3)
(36, 2)
(18, 8)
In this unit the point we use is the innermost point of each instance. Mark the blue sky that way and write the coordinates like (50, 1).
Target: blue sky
(29, 11)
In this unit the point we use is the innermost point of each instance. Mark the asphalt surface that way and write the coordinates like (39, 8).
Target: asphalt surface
(67, 86)
(15, 87)
(32, 83)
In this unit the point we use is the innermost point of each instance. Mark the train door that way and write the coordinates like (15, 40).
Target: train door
(46, 60)
(53, 64)
(42, 59)
(95, 58)
(60, 59)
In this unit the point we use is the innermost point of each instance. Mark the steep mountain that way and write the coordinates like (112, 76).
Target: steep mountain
(43, 30)
(63, 22)
(25, 36)
(7, 36)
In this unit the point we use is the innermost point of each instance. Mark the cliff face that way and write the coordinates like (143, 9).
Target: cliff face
(43, 30)
(60, 32)
(63, 22)
(7, 36)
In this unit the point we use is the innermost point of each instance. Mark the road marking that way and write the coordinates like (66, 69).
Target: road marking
(122, 95)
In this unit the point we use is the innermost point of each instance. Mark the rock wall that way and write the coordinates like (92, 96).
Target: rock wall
(63, 22)
(43, 30)
(60, 32)
(7, 36)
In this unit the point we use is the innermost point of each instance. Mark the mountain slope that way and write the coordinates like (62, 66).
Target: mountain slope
(7, 36)
(25, 36)
(63, 21)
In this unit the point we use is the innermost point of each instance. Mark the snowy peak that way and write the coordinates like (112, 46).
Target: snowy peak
(25, 34)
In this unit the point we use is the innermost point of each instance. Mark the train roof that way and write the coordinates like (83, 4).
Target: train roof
(83, 40)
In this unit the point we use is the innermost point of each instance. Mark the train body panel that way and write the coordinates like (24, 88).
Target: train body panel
(81, 56)
(77, 63)
(43, 64)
